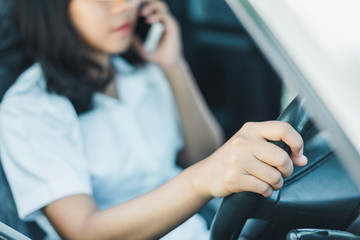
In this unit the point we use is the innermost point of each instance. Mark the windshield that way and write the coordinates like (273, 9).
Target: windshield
(315, 47)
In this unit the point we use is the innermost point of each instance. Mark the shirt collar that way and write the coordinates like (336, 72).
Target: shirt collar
(121, 65)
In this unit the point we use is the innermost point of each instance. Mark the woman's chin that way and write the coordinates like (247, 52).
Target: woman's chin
(117, 48)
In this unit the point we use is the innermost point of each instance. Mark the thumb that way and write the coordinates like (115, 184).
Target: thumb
(299, 159)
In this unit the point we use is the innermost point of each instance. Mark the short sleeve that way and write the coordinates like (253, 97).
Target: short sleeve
(41, 148)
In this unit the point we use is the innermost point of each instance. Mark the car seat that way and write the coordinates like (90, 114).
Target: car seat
(12, 63)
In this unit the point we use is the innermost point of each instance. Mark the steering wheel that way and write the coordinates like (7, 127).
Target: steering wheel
(295, 203)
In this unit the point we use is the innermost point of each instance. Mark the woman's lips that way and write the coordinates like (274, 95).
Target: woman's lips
(125, 28)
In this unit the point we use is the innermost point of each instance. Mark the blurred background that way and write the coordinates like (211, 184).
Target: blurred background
(237, 82)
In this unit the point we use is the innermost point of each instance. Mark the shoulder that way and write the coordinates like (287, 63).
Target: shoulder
(28, 97)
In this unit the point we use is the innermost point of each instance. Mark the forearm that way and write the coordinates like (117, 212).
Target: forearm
(202, 133)
(246, 162)
(147, 217)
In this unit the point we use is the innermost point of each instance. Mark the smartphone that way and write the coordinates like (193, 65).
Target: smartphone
(150, 34)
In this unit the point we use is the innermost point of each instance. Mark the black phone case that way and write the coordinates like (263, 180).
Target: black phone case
(142, 28)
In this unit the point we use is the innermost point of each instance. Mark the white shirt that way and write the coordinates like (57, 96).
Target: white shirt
(115, 152)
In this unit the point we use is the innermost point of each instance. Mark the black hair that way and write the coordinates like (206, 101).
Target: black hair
(49, 37)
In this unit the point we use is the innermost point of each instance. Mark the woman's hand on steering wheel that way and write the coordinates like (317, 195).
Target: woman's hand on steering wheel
(248, 162)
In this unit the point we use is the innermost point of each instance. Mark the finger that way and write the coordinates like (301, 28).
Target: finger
(265, 173)
(154, 7)
(274, 156)
(253, 184)
(145, 1)
(169, 24)
(155, 18)
(299, 160)
(276, 131)
(149, 1)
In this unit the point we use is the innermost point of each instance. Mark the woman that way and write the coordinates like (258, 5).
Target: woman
(89, 142)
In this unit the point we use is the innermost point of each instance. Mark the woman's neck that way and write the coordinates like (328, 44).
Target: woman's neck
(104, 60)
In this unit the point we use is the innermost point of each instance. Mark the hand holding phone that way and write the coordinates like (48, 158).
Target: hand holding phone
(160, 41)
(150, 34)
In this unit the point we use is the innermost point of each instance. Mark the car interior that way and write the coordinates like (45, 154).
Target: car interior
(319, 196)
(315, 199)
(235, 79)
(239, 85)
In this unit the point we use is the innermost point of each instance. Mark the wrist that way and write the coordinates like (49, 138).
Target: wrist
(173, 67)
(200, 180)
